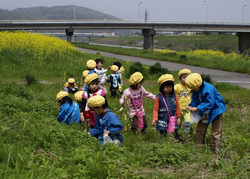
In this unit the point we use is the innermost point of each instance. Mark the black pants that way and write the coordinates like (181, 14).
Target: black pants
(113, 92)
(134, 124)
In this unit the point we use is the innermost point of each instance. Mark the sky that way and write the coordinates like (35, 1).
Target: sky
(181, 10)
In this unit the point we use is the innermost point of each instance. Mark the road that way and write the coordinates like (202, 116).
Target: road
(240, 79)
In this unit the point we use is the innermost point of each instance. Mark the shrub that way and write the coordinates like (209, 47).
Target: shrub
(183, 58)
(137, 67)
(157, 68)
(206, 78)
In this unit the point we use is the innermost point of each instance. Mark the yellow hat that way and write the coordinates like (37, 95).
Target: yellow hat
(90, 78)
(71, 80)
(183, 71)
(61, 94)
(78, 96)
(95, 101)
(164, 78)
(85, 73)
(114, 68)
(91, 64)
(135, 78)
(193, 81)
(122, 69)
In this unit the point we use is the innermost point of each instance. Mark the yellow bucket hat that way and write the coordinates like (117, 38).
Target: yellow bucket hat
(61, 94)
(85, 73)
(96, 101)
(135, 78)
(91, 64)
(71, 80)
(78, 96)
(183, 71)
(193, 81)
(164, 78)
(90, 78)
(122, 69)
(114, 68)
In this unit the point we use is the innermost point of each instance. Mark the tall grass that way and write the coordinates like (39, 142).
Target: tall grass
(34, 145)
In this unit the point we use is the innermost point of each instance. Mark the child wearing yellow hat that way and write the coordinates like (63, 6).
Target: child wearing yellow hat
(107, 123)
(84, 74)
(78, 97)
(69, 112)
(166, 105)
(184, 96)
(114, 79)
(209, 104)
(120, 71)
(134, 94)
(70, 86)
(92, 81)
(91, 65)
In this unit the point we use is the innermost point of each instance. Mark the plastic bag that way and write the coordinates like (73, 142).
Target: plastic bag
(194, 117)
(107, 139)
(117, 142)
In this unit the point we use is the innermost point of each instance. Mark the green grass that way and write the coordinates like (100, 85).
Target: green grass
(225, 43)
(215, 62)
(34, 145)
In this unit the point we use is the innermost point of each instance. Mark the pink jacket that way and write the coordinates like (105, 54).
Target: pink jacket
(135, 97)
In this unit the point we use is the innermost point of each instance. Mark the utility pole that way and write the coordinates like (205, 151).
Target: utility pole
(146, 14)
(74, 10)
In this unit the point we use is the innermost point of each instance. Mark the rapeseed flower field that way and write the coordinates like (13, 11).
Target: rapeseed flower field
(22, 53)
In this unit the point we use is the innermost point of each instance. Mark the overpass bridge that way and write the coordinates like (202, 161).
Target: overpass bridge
(148, 28)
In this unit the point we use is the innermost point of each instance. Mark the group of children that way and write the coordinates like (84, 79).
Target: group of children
(192, 94)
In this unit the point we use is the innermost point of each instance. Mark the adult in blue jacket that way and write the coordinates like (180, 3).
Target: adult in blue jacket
(207, 102)
(106, 122)
(69, 111)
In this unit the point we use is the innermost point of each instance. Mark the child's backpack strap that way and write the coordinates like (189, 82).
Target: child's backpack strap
(182, 93)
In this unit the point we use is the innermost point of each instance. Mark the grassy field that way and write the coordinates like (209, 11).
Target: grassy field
(34, 145)
(204, 58)
(225, 43)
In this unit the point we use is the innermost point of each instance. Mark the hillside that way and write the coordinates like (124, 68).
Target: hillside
(52, 13)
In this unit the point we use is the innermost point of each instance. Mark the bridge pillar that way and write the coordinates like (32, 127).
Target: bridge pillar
(148, 38)
(69, 33)
(244, 41)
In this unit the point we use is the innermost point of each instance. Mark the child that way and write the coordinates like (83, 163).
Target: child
(135, 93)
(78, 97)
(84, 74)
(91, 65)
(92, 81)
(108, 123)
(184, 96)
(120, 70)
(101, 72)
(207, 102)
(114, 80)
(70, 86)
(69, 111)
(166, 97)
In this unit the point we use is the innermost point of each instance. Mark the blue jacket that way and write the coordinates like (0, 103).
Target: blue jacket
(109, 122)
(69, 114)
(208, 99)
